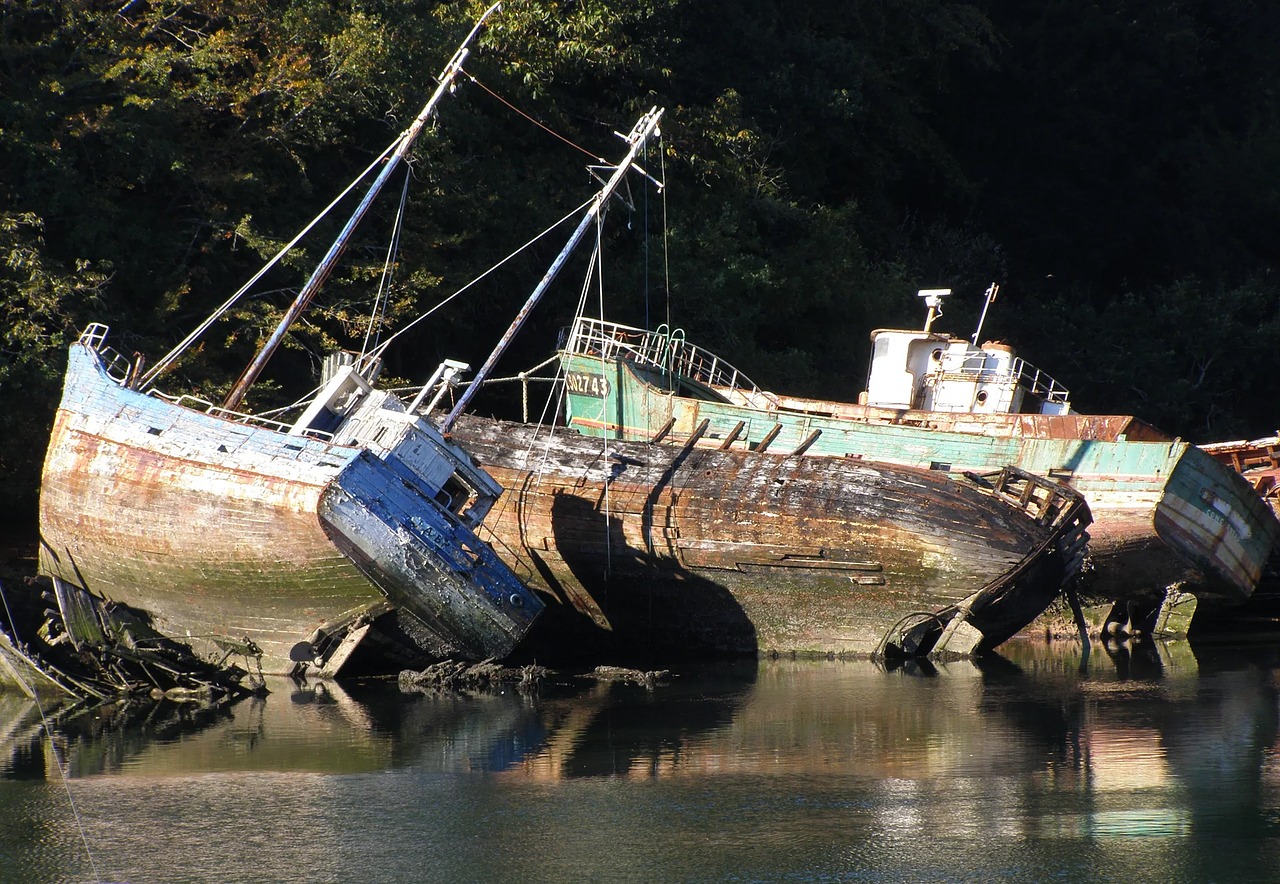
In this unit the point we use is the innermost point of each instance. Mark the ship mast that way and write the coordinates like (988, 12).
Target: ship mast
(640, 133)
(330, 260)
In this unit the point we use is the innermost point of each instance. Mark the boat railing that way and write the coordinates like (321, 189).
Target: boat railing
(664, 349)
(195, 403)
(977, 365)
(1039, 383)
(115, 364)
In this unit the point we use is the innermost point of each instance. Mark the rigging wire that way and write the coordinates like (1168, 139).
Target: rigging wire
(608, 471)
(535, 122)
(388, 267)
(169, 358)
(646, 243)
(378, 351)
(186, 342)
(666, 259)
(53, 747)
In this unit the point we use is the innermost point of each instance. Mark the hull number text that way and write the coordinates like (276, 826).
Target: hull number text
(584, 383)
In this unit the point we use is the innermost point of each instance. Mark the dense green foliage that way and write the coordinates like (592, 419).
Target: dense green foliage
(1108, 163)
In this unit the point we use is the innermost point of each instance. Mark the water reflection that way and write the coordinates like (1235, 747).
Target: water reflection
(1146, 758)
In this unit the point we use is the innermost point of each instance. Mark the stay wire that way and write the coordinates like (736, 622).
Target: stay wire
(608, 483)
(381, 348)
(172, 355)
(545, 128)
(646, 241)
(388, 267)
(666, 259)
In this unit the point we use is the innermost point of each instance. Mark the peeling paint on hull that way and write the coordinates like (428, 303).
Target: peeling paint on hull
(658, 549)
(213, 528)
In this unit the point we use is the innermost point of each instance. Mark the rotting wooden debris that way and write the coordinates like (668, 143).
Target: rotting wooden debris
(632, 676)
(458, 675)
(56, 640)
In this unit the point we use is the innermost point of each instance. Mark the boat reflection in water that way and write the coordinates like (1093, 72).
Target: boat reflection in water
(1144, 761)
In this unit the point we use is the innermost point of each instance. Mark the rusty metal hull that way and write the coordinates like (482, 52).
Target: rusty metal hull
(660, 549)
(224, 532)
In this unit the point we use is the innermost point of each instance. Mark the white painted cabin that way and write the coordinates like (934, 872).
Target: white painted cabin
(927, 371)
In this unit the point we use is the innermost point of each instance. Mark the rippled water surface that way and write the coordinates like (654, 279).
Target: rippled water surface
(1152, 766)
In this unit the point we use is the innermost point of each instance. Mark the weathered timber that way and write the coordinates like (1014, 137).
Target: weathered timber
(1257, 460)
(115, 654)
(1163, 510)
(656, 551)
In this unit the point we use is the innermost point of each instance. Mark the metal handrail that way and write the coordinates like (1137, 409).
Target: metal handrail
(663, 349)
(195, 403)
(114, 363)
(974, 366)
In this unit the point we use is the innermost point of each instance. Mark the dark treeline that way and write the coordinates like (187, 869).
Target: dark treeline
(1109, 163)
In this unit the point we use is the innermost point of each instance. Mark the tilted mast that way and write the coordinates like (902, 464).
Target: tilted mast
(330, 260)
(640, 133)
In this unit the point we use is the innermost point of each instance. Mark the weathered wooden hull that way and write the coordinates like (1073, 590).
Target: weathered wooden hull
(654, 550)
(1258, 460)
(224, 532)
(1149, 497)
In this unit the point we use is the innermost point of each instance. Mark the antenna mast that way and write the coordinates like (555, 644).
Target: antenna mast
(933, 300)
(992, 291)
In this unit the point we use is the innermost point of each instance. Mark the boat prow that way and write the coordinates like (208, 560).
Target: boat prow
(236, 532)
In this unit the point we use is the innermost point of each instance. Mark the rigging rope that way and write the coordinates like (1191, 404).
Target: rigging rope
(646, 245)
(169, 358)
(393, 249)
(177, 351)
(378, 351)
(608, 484)
(666, 259)
(537, 123)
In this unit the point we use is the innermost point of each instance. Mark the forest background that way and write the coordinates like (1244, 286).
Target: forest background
(1111, 164)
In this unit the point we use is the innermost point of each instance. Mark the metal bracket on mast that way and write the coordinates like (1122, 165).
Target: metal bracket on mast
(594, 172)
(645, 127)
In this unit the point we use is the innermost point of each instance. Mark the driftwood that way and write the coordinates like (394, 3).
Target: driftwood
(631, 676)
(456, 675)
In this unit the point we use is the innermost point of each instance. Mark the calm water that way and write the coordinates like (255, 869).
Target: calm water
(1158, 767)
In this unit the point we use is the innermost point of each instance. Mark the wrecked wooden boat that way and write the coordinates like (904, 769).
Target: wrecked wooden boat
(284, 542)
(1258, 460)
(100, 652)
(670, 550)
(1164, 511)
(657, 550)
(293, 543)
